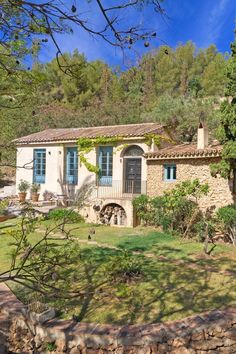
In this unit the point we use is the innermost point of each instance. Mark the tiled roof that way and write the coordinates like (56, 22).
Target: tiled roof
(185, 151)
(70, 134)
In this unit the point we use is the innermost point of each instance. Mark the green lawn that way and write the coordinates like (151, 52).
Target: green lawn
(177, 279)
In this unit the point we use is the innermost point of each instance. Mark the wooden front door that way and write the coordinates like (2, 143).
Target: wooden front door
(132, 176)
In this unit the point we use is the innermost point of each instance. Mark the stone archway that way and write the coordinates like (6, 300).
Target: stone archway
(113, 214)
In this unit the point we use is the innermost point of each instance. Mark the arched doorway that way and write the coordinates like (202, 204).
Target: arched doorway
(132, 169)
(113, 214)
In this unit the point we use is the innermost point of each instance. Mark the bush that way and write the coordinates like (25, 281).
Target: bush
(142, 208)
(227, 222)
(3, 206)
(177, 210)
(67, 215)
(124, 267)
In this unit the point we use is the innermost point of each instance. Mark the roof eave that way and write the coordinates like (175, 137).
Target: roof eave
(69, 141)
(181, 157)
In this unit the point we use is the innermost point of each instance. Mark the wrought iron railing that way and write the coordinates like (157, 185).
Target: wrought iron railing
(126, 189)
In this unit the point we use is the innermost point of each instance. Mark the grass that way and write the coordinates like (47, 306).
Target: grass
(176, 279)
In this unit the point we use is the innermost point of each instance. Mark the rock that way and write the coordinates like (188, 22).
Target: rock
(45, 316)
(154, 349)
(61, 346)
(163, 348)
(179, 342)
(207, 344)
(182, 350)
(197, 336)
(38, 341)
(75, 351)
(231, 334)
(229, 342)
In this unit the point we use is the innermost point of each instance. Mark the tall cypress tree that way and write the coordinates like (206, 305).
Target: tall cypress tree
(227, 129)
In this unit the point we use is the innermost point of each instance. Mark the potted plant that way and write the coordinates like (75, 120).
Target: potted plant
(35, 192)
(23, 187)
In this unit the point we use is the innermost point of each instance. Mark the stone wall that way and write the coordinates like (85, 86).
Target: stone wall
(188, 169)
(212, 332)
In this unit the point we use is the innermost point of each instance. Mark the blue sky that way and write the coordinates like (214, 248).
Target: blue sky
(202, 21)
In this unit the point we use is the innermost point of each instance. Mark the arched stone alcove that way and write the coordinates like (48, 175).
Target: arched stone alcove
(113, 214)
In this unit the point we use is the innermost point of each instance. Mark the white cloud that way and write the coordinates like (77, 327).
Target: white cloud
(216, 20)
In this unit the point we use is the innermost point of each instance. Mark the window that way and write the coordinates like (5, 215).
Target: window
(105, 159)
(133, 150)
(72, 165)
(170, 172)
(39, 165)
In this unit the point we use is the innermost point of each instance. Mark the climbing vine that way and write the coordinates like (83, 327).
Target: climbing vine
(85, 145)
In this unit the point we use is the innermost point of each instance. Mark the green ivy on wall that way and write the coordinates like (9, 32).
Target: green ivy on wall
(85, 145)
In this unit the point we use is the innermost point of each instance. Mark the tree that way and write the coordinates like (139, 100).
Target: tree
(26, 25)
(45, 265)
(227, 129)
(181, 115)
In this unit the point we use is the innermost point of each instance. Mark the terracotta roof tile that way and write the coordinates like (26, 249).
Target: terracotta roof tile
(72, 134)
(184, 151)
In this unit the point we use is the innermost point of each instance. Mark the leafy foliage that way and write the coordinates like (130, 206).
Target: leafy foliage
(124, 267)
(177, 210)
(227, 218)
(23, 186)
(35, 188)
(3, 206)
(159, 89)
(227, 129)
(85, 145)
(67, 215)
(40, 265)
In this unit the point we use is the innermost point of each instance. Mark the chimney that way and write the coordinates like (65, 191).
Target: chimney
(202, 136)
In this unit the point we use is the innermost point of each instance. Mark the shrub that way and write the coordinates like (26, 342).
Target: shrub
(3, 206)
(66, 215)
(142, 208)
(124, 267)
(227, 221)
(177, 210)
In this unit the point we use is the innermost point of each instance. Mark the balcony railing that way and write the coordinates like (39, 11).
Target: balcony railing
(126, 189)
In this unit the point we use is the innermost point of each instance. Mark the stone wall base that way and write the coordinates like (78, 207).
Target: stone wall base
(212, 332)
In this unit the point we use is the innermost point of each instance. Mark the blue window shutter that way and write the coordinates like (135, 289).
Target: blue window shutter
(105, 162)
(169, 172)
(174, 172)
(165, 173)
(71, 165)
(39, 169)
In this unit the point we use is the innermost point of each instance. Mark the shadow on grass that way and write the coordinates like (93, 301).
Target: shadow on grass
(166, 290)
(145, 243)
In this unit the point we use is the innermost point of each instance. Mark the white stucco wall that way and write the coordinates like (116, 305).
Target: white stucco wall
(55, 166)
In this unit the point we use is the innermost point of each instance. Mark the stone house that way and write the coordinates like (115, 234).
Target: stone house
(178, 163)
(50, 158)
(130, 165)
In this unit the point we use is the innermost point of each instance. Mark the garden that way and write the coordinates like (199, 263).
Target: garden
(95, 273)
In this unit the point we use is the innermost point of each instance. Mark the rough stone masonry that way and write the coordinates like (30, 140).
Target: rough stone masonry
(212, 332)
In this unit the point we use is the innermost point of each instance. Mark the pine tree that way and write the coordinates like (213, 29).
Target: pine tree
(227, 130)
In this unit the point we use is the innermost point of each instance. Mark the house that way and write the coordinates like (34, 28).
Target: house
(130, 162)
(178, 163)
(51, 158)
